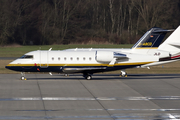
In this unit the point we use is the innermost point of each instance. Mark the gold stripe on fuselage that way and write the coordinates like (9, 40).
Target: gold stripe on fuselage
(117, 64)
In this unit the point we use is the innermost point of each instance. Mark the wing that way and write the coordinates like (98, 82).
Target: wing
(81, 69)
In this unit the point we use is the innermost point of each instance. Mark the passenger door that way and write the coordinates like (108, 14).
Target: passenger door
(44, 59)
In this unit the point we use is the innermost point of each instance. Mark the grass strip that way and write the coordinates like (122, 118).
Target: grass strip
(18, 51)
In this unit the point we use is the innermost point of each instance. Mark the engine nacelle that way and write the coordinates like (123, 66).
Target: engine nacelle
(104, 56)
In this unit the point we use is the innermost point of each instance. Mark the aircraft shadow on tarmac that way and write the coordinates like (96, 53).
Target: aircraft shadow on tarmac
(109, 77)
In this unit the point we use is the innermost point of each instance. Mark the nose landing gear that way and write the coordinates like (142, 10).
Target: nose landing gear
(23, 76)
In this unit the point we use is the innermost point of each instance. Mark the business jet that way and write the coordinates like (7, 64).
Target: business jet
(148, 51)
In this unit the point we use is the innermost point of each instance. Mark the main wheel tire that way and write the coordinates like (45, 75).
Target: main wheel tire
(66, 75)
(123, 74)
(88, 77)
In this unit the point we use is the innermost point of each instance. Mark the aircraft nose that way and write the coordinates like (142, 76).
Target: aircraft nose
(8, 66)
(11, 67)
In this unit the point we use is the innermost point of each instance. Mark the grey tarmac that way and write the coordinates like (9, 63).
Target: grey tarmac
(105, 97)
(8, 58)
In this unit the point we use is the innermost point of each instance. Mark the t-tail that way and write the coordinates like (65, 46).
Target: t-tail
(169, 50)
(151, 39)
(172, 45)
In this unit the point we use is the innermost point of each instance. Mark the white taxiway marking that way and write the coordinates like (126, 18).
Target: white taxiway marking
(91, 98)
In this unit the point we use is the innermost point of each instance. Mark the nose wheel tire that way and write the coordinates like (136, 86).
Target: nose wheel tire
(23, 78)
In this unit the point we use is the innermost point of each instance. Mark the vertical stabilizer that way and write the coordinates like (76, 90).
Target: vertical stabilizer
(172, 43)
(151, 39)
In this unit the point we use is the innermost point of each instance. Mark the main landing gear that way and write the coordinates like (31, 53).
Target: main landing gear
(123, 73)
(66, 75)
(87, 76)
(23, 76)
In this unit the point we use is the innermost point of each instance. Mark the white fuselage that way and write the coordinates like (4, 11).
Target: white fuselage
(81, 60)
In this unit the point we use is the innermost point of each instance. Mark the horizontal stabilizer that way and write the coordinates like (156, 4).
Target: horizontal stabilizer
(175, 44)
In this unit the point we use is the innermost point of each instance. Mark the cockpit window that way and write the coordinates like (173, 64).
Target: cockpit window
(27, 57)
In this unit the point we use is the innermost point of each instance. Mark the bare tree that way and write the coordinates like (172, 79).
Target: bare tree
(60, 21)
(112, 15)
(150, 11)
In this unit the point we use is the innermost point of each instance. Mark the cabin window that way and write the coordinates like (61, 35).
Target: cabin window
(65, 58)
(77, 58)
(27, 57)
(84, 58)
(58, 58)
(52, 58)
(90, 58)
(71, 58)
